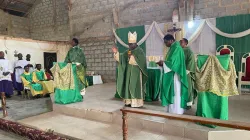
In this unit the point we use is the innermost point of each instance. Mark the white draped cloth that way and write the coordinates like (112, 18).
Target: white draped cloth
(5, 66)
(19, 72)
(175, 108)
(204, 41)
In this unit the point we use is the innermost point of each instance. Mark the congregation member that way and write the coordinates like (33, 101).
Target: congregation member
(5, 76)
(40, 77)
(174, 93)
(76, 56)
(190, 67)
(35, 88)
(132, 73)
(48, 74)
(18, 71)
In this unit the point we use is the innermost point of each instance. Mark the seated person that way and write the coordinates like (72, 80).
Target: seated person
(48, 74)
(40, 77)
(35, 88)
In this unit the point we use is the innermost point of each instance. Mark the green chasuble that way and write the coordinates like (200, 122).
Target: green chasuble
(76, 55)
(190, 66)
(175, 60)
(210, 105)
(131, 80)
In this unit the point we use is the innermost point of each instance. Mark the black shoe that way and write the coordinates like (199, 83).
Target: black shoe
(19, 93)
(8, 96)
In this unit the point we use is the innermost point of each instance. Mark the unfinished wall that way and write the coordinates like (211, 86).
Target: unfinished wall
(94, 19)
(14, 26)
(99, 57)
(49, 20)
(219, 8)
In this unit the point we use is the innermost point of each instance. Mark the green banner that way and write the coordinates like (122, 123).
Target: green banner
(122, 33)
(231, 25)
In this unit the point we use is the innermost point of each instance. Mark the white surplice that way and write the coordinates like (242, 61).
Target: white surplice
(19, 72)
(5, 66)
(175, 108)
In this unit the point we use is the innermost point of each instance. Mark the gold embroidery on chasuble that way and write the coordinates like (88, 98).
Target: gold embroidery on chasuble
(63, 78)
(212, 77)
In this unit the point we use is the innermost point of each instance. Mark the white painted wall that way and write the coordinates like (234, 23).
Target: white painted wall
(35, 48)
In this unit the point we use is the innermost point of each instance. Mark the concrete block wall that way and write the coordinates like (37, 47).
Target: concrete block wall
(99, 57)
(20, 27)
(94, 19)
(219, 8)
(4, 24)
(14, 26)
(49, 20)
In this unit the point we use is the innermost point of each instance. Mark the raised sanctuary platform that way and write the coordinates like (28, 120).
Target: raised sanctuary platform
(100, 105)
(99, 115)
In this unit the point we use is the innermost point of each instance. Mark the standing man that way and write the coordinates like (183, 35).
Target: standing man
(18, 71)
(30, 65)
(174, 83)
(190, 66)
(6, 88)
(76, 56)
(5, 76)
(132, 73)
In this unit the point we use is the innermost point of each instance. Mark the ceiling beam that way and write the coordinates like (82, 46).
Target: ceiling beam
(15, 10)
(19, 1)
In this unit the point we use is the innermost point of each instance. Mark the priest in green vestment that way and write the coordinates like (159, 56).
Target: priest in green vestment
(76, 56)
(174, 93)
(190, 66)
(132, 73)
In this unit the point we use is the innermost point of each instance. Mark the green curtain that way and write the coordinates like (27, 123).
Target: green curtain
(234, 24)
(123, 34)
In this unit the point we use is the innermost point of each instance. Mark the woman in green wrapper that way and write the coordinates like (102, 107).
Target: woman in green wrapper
(132, 73)
(35, 88)
(76, 56)
(40, 77)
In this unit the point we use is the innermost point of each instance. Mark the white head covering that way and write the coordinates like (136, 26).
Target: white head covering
(132, 38)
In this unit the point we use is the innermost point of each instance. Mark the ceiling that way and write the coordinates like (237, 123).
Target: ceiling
(17, 7)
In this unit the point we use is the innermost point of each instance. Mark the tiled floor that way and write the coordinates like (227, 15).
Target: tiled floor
(90, 130)
(20, 108)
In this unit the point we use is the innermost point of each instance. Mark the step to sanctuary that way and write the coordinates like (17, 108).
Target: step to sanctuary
(99, 105)
(83, 129)
(100, 112)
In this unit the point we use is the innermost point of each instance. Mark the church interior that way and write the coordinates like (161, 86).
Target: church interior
(125, 69)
